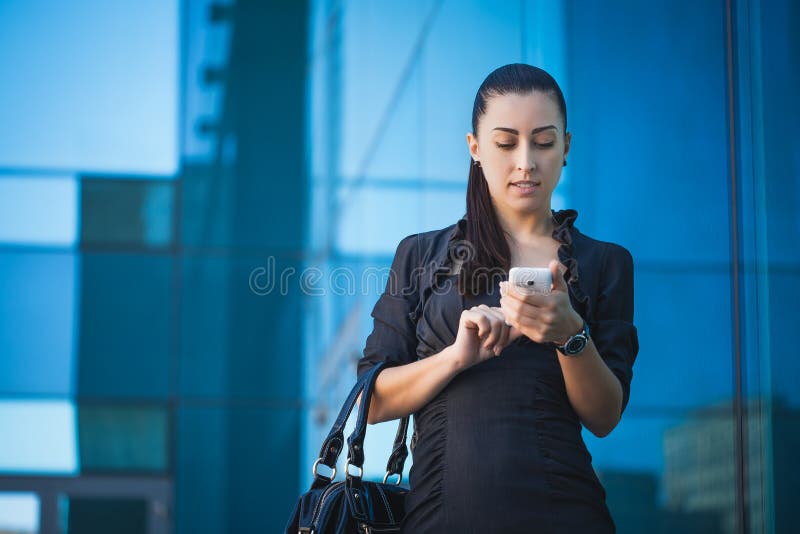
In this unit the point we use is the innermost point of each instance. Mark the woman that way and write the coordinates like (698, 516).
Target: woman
(497, 398)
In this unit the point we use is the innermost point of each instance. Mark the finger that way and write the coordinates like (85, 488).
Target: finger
(533, 299)
(503, 313)
(516, 309)
(505, 331)
(470, 319)
(514, 333)
(484, 325)
(498, 311)
(503, 288)
(497, 321)
(510, 332)
(508, 307)
(557, 270)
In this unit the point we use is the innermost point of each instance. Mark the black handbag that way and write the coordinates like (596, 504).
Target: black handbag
(353, 505)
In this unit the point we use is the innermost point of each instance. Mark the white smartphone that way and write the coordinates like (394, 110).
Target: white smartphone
(531, 280)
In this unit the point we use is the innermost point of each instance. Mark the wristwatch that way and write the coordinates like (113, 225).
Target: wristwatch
(575, 344)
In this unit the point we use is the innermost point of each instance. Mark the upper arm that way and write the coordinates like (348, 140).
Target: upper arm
(613, 331)
(393, 337)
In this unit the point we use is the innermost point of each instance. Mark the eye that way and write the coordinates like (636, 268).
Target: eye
(545, 145)
(505, 146)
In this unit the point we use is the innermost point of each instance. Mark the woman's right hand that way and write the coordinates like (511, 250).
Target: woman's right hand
(482, 334)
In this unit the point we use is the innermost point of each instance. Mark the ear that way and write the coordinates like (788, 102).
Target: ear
(472, 143)
(567, 140)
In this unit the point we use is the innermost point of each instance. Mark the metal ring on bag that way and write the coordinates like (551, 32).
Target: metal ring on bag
(347, 469)
(388, 474)
(314, 470)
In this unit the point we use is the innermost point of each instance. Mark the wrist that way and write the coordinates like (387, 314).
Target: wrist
(576, 326)
(577, 342)
(453, 360)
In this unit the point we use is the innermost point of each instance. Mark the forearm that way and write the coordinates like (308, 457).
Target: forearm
(593, 390)
(402, 390)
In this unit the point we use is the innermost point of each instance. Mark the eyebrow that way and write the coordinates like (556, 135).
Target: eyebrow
(533, 132)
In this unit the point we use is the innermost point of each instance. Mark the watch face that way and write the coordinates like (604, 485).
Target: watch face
(576, 345)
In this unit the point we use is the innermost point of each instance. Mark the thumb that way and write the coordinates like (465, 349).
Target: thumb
(559, 284)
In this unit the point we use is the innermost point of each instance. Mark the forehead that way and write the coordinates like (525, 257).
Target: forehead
(521, 112)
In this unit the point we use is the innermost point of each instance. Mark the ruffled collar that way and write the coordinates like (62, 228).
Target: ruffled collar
(564, 220)
(562, 232)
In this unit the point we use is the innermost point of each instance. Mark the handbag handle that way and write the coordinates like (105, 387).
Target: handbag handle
(333, 444)
(355, 442)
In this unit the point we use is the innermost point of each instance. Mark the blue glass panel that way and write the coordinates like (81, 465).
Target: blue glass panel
(244, 461)
(237, 339)
(468, 40)
(19, 512)
(685, 356)
(123, 438)
(123, 212)
(371, 81)
(37, 322)
(90, 85)
(665, 474)
(38, 437)
(409, 211)
(126, 308)
(103, 514)
(649, 159)
(38, 210)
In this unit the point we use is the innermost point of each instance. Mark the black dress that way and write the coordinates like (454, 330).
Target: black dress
(499, 449)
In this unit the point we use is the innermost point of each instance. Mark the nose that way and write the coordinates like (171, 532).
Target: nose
(525, 161)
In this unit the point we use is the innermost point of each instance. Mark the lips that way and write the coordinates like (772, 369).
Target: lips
(526, 184)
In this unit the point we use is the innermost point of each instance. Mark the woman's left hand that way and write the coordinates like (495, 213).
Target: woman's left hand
(542, 318)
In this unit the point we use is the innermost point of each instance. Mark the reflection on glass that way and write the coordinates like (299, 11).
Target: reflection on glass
(102, 515)
(674, 474)
(123, 438)
(90, 85)
(127, 212)
(37, 437)
(39, 210)
(37, 323)
(19, 513)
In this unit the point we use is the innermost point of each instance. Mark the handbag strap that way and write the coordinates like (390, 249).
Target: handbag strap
(355, 443)
(399, 451)
(333, 444)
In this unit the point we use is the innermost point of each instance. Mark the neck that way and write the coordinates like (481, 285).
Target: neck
(527, 227)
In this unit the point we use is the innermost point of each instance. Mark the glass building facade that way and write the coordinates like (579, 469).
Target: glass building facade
(199, 202)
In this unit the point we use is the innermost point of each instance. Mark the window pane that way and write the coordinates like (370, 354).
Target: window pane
(126, 307)
(38, 296)
(89, 85)
(670, 474)
(98, 515)
(123, 438)
(122, 212)
(19, 513)
(38, 210)
(38, 437)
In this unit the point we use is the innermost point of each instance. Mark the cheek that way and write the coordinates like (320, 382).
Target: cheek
(497, 168)
(495, 181)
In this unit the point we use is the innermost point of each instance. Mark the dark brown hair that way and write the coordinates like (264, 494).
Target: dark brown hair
(489, 251)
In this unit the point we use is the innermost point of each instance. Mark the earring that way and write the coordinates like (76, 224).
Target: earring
(476, 163)
(565, 163)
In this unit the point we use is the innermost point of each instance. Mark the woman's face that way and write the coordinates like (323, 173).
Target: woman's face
(521, 147)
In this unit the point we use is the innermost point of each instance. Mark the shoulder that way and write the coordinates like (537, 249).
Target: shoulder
(600, 252)
(429, 245)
